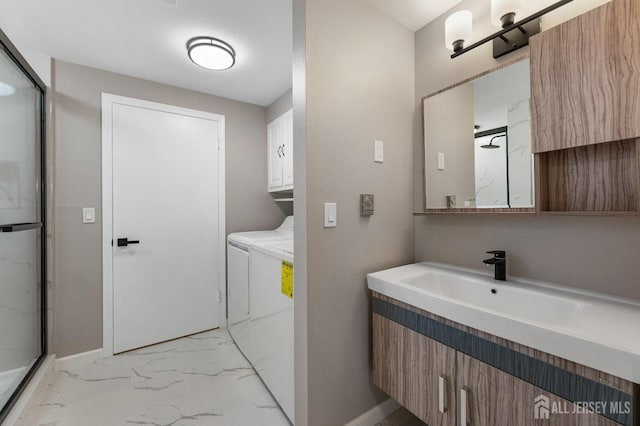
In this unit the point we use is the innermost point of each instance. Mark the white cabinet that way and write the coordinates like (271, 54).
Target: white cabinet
(280, 152)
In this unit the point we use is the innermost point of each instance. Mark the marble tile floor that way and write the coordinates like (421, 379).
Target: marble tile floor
(193, 381)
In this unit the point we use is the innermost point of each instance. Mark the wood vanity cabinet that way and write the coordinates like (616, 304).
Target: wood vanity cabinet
(495, 398)
(416, 371)
(438, 380)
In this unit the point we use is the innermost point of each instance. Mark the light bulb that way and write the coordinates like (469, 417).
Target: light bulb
(458, 29)
(503, 12)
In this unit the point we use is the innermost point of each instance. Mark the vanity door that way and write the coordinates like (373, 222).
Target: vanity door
(488, 396)
(416, 371)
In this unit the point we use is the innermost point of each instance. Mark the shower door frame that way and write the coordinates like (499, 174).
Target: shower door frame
(17, 58)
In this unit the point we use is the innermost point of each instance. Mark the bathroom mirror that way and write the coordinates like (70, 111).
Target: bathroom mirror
(477, 143)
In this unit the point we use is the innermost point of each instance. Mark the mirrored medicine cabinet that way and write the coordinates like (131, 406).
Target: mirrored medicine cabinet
(477, 144)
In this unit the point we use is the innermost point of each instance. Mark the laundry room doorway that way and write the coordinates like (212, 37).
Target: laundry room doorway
(163, 222)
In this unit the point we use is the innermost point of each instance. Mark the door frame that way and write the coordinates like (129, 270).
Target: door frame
(108, 100)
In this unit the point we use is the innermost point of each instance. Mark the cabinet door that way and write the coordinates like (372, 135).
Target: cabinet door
(274, 139)
(287, 150)
(490, 397)
(414, 370)
(585, 79)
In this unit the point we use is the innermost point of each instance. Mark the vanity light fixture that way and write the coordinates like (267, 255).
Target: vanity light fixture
(211, 53)
(6, 89)
(514, 34)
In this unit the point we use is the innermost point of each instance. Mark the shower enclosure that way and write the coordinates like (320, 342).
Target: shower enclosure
(22, 224)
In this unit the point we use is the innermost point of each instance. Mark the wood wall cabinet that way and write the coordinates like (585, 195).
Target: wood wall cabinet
(599, 179)
(585, 112)
(280, 153)
(585, 79)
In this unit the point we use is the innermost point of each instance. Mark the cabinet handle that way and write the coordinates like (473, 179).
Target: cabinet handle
(283, 150)
(464, 421)
(442, 389)
(279, 156)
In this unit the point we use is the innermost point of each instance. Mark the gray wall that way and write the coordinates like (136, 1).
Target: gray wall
(359, 87)
(598, 253)
(78, 273)
(281, 105)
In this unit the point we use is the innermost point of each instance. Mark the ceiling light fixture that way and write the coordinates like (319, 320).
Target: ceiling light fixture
(211, 53)
(6, 89)
(512, 36)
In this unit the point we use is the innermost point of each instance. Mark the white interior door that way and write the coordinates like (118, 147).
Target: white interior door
(165, 195)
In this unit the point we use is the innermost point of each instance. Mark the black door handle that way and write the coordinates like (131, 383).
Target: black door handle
(123, 242)
(17, 227)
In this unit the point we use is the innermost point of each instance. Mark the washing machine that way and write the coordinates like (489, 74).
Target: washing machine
(239, 283)
(272, 302)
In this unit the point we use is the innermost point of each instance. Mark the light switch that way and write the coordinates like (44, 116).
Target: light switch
(330, 216)
(89, 215)
(378, 151)
(440, 161)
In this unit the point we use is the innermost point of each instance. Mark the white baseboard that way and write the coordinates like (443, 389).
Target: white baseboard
(78, 360)
(377, 413)
(29, 396)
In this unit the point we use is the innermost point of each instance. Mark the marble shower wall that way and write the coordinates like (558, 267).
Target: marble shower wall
(20, 290)
(520, 158)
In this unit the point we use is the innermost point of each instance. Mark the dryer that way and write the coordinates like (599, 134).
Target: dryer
(272, 296)
(238, 282)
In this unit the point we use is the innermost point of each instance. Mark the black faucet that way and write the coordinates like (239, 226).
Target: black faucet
(499, 260)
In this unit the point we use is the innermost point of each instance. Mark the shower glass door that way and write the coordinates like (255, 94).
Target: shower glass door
(22, 234)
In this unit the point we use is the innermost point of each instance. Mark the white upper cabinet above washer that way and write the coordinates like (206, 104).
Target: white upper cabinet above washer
(280, 152)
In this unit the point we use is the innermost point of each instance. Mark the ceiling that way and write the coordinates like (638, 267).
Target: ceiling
(413, 14)
(146, 39)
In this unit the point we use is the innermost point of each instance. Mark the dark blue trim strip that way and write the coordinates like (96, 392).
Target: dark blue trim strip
(558, 381)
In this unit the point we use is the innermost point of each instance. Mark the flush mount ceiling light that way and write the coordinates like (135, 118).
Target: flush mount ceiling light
(512, 36)
(6, 89)
(211, 53)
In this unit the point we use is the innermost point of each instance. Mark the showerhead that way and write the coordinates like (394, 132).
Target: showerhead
(491, 145)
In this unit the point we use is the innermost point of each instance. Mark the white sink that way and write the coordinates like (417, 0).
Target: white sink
(595, 330)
